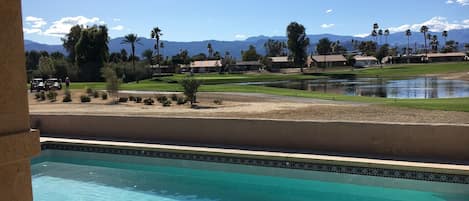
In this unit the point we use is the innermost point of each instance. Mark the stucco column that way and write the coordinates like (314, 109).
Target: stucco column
(17, 143)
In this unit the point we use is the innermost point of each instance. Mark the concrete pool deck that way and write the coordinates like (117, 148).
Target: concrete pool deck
(278, 156)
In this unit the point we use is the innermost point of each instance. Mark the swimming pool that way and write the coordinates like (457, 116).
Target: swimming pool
(137, 175)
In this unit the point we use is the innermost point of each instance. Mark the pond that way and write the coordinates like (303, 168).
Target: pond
(419, 88)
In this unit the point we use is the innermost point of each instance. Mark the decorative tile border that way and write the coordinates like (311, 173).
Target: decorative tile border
(379, 172)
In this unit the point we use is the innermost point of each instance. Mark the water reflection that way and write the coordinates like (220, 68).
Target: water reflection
(421, 87)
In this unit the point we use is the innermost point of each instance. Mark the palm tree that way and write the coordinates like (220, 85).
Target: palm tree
(408, 33)
(374, 33)
(445, 35)
(434, 43)
(156, 34)
(424, 30)
(210, 50)
(132, 39)
(380, 33)
(386, 34)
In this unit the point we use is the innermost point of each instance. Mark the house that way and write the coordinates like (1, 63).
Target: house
(444, 57)
(155, 69)
(327, 60)
(206, 66)
(364, 61)
(246, 66)
(277, 63)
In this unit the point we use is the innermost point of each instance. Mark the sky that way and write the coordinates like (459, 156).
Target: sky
(46, 21)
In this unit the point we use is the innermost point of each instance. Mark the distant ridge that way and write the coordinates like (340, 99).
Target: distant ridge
(235, 47)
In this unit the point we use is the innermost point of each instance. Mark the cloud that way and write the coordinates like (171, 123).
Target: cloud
(361, 35)
(61, 27)
(240, 36)
(116, 19)
(435, 24)
(461, 2)
(118, 28)
(31, 31)
(329, 11)
(35, 22)
(327, 26)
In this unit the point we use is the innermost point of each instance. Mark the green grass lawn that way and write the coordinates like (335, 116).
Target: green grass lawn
(221, 83)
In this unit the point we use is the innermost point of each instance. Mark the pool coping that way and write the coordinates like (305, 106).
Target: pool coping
(447, 173)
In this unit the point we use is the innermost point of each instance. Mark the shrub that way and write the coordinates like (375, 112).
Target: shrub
(67, 97)
(123, 99)
(138, 99)
(174, 97)
(191, 86)
(37, 96)
(95, 94)
(218, 101)
(112, 81)
(104, 95)
(148, 101)
(181, 100)
(161, 99)
(131, 98)
(89, 91)
(52, 95)
(166, 103)
(85, 99)
(42, 96)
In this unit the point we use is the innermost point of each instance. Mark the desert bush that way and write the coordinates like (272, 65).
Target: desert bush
(37, 95)
(104, 95)
(218, 101)
(166, 103)
(148, 101)
(138, 99)
(191, 86)
(67, 96)
(161, 99)
(112, 81)
(181, 100)
(131, 98)
(123, 99)
(52, 95)
(85, 99)
(174, 97)
(88, 90)
(42, 96)
(95, 94)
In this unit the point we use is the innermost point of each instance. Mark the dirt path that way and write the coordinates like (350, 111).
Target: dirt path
(239, 105)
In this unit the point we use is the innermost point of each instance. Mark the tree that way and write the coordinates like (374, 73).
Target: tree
(380, 33)
(112, 81)
(191, 86)
(46, 67)
(368, 47)
(148, 56)
(451, 46)
(445, 35)
(92, 52)
(408, 33)
(337, 48)
(434, 43)
(374, 33)
(70, 41)
(424, 30)
(324, 46)
(124, 55)
(274, 48)
(386, 35)
(32, 60)
(382, 52)
(251, 54)
(132, 39)
(298, 43)
(57, 55)
(156, 34)
(199, 57)
(210, 50)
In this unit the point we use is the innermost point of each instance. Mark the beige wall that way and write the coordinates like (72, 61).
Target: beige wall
(444, 142)
(17, 144)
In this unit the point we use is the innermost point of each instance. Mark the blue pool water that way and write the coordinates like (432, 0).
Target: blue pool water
(80, 176)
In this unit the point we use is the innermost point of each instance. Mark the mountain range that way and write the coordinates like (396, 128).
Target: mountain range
(235, 47)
